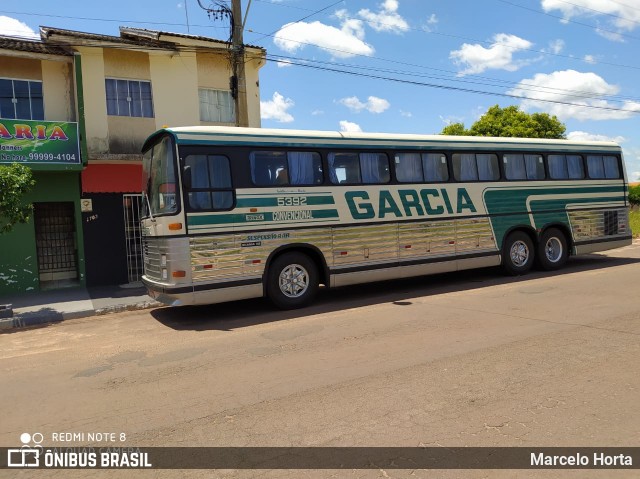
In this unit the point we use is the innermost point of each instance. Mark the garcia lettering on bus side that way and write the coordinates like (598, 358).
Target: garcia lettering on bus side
(408, 202)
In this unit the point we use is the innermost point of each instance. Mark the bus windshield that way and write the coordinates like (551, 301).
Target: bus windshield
(159, 179)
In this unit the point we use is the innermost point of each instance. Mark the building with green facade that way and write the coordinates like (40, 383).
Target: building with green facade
(39, 129)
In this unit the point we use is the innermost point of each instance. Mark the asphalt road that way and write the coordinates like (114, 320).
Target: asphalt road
(468, 359)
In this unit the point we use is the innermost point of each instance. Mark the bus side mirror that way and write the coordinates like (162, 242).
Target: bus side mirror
(186, 177)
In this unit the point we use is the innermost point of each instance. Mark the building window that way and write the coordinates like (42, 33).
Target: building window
(129, 98)
(216, 106)
(21, 100)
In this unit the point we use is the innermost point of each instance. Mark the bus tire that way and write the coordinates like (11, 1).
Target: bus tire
(552, 250)
(517, 253)
(292, 281)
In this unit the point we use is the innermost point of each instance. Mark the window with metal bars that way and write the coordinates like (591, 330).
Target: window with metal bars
(21, 99)
(129, 98)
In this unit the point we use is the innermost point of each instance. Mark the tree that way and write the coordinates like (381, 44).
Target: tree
(455, 129)
(511, 122)
(15, 181)
(634, 195)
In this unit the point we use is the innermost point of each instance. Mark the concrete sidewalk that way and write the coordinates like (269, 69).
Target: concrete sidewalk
(31, 309)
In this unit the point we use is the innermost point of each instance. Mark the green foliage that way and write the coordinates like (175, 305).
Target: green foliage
(511, 122)
(15, 181)
(634, 195)
(455, 129)
(634, 222)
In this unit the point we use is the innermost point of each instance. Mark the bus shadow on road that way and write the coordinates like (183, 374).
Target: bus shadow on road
(241, 314)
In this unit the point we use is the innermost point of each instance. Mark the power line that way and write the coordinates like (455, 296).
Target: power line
(600, 12)
(347, 71)
(280, 4)
(626, 35)
(469, 39)
(116, 20)
(485, 81)
(401, 62)
(447, 35)
(300, 20)
(460, 89)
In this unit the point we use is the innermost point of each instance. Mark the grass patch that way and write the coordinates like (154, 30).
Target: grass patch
(634, 220)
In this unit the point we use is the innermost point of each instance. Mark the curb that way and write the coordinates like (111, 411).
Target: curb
(26, 320)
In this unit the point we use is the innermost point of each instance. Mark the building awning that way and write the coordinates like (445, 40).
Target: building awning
(118, 178)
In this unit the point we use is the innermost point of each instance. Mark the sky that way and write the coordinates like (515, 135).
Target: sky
(409, 66)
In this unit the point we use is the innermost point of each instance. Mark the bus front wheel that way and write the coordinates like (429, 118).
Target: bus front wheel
(517, 253)
(292, 281)
(552, 250)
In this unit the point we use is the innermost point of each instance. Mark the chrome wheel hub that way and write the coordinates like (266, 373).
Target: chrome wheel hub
(294, 281)
(553, 250)
(519, 253)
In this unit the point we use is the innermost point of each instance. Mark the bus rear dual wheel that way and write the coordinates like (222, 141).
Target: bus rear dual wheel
(519, 252)
(292, 281)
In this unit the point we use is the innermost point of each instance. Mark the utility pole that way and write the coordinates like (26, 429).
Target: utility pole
(238, 80)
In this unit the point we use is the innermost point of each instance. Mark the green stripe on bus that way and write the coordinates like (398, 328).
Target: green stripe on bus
(247, 218)
(513, 204)
(273, 201)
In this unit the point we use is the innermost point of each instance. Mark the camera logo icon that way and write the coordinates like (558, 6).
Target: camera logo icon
(28, 455)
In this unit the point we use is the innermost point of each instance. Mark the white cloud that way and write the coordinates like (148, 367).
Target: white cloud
(276, 109)
(563, 86)
(609, 35)
(584, 136)
(635, 176)
(433, 19)
(622, 16)
(556, 46)
(406, 114)
(283, 64)
(317, 112)
(339, 43)
(387, 19)
(499, 56)
(15, 28)
(372, 105)
(590, 59)
(348, 126)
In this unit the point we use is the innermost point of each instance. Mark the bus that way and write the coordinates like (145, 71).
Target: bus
(235, 213)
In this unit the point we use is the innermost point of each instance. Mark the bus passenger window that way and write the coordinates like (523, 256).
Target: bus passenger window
(465, 167)
(266, 166)
(211, 187)
(523, 167)
(273, 168)
(563, 167)
(305, 168)
(488, 167)
(601, 167)
(435, 167)
(344, 168)
(356, 168)
(475, 167)
(409, 168)
(575, 167)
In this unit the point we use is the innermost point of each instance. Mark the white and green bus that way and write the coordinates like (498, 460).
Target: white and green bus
(235, 213)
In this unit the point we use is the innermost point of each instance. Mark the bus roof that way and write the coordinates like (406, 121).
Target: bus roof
(229, 135)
